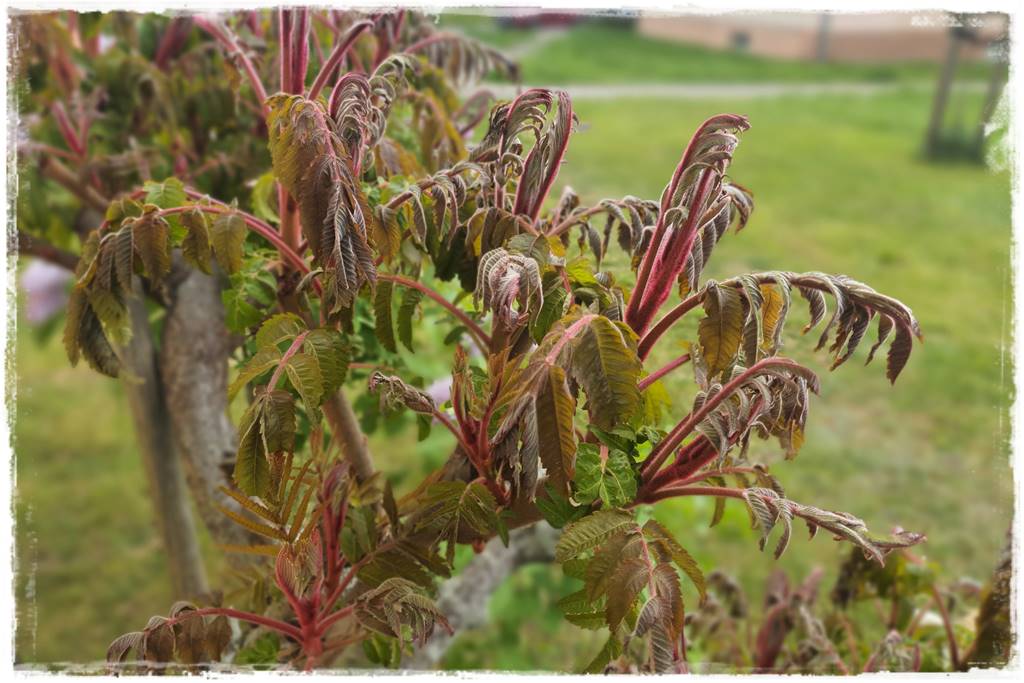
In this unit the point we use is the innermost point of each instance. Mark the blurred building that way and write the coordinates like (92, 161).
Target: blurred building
(840, 37)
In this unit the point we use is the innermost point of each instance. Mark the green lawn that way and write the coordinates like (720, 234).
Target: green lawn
(839, 187)
(611, 51)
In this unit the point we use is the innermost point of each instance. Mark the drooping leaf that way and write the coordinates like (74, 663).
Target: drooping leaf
(227, 235)
(383, 317)
(152, 238)
(555, 430)
(721, 331)
(406, 310)
(195, 247)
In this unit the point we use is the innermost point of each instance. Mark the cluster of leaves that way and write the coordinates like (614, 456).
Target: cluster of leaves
(334, 552)
(557, 414)
(631, 585)
(137, 238)
(878, 618)
(186, 635)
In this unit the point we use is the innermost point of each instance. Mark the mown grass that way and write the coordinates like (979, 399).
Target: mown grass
(607, 50)
(840, 187)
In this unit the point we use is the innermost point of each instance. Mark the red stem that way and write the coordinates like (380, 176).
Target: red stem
(292, 350)
(273, 624)
(662, 371)
(648, 340)
(687, 425)
(300, 47)
(481, 337)
(336, 56)
(675, 492)
(954, 654)
(284, 30)
(235, 50)
(668, 258)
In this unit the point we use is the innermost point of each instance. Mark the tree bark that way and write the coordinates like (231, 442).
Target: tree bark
(194, 361)
(144, 389)
(464, 599)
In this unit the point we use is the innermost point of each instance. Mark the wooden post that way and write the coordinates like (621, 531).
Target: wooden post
(934, 135)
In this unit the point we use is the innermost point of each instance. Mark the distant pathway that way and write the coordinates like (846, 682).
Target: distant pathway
(591, 91)
(539, 39)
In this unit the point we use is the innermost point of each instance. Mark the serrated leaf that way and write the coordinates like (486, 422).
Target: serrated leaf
(556, 434)
(383, 321)
(605, 562)
(227, 235)
(331, 352)
(605, 364)
(454, 506)
(611, 481)
(556, 509)
(406, 310)
(679, 555)
(590, 532)
(721, 331)
(612, 650)
(152, 238)
(195, 247)
(166, 195)
(266, 359)
(304, 375)
(278, 329)
(251, 473)
(624, 588)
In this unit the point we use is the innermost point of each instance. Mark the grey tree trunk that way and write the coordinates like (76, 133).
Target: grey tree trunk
(145, 393)
(194, 361)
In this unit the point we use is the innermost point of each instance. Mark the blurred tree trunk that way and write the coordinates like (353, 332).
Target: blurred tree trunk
(464, 599)
(145, 392)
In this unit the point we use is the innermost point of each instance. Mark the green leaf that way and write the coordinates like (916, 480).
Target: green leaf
(264, 198)
(605, 364)
(166, 195)
(227, 234)
(406, 310)
(612, 650)
(383, 322)
(612, 481)
(283, 327)
(557, 509)
(456, 505)
(252, 472)
(277, 421)
(721, 331)
(331, 352)
(264, 360)
(304, 374)
(590, 532)
(239, 314)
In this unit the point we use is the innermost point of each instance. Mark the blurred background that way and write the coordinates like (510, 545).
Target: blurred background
(875, 151)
